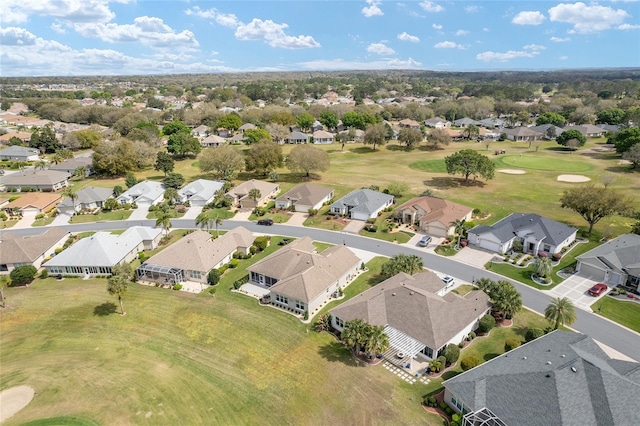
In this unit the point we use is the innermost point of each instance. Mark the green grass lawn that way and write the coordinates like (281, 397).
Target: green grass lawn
(383, 233)
(102, 216)
(44, 221)
(173, 212)
(623, 312)
(277, 217)
(324, 222)
(542, 163)
(177, 358)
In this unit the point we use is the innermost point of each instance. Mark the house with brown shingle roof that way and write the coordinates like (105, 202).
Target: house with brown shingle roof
(433, 215)
(304, 197)
(16, 250)
(23, 136)
(34, 203)
(419, 315)
(302, 280)
(239, 195)
(407, 122)
(194, 255)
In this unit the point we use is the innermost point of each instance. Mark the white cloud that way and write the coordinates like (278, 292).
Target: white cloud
(372, 9)
(628, 27)
(472, 9)
(19, 11)
(563, 58)
(462, 32)
(486, 30)
(534, 47)
(341, 64)
(448, 45)
(380, 49)
(273, 34)
(587, 19)
(528, 18)
(430, 6)
(225, 19)
(57, 27)
(559, 39)
(436, 26)
(149, 31)
(505, 56)
(408, 37)
(14, 36)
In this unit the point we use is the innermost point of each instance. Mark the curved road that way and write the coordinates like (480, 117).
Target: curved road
(599, 328)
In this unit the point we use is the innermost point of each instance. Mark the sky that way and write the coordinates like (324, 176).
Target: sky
(124, 37)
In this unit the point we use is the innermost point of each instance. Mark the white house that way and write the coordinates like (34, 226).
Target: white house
(200, 192)
(362, 204)
(19, 153)
(323, 137)
(145, 193)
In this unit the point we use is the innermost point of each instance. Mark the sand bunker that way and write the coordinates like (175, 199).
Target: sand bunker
(13, 400)
(573, 178)
(512, 171)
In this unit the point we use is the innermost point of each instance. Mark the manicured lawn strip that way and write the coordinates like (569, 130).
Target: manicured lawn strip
(324, 222)
(534, 162)
(174, 214)
(277, 217)
(625, 312)
(8, 223)
(62, 421)
(382, 226)
(102, 216)
(44, 221)
(463, 289)
(181, 358)
(431, 166)
(221, 213)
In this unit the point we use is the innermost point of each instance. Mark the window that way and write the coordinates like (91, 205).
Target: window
(195, 274)
(282, 299)
(339, 322)
(300, 305)
(427, 351)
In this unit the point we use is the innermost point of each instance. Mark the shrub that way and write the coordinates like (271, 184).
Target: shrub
(254, 249)
(44, 274)
(448, 410)
(39, 216)
(443, 405)
(510, 344)
(371, 221)
(239, 282)
(557, 256)
(451, 353)
(542, 254)
(430, 401)
(533, 334)
(370, 228)
(472, 335)
(213, 277)
(456, 417)
(261, 243)
(306, 315)
(486, 323)
(233, 263)
(312, 212)
(470, 362)
(23, 274)
(259, 211)
(443, 362)
(212, 291)
(177, 287)
(223, 268)
(461, 345)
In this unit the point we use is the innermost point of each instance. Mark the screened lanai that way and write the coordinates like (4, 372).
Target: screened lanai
(160, 274)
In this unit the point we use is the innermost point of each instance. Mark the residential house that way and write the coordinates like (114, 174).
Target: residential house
(433, 215)
(537, 234)
(323, 137)
(522, 134)
(409, 123)
(615, 262)
(607, 127)
(558, 379)
(465, 122)
(23, 136)
(72, 164)
(213, 141)
(145, 193)
(548, 131)
(239, 195)
(301, 279)
(33, 203)
(98, 253)
(362, 204)
(297, 137)
(419, 313)
(454, 134)
(247, 126)
(356, 136)
(194, 255)
(492, 123)
(16, 250)
(200, 132)
(316, 126)
(19, 153)
(88, 199)
(305, 197)
(224, 133)
(200, 192)
(41, 180)
(588, 130)
(437, 123)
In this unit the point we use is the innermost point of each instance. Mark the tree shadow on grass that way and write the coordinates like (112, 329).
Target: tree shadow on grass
(449, 374)
(520, 330)
(442, 182)
(105, 309)
(489, 356)
(397, 148)
(336, 352)
(364, 149)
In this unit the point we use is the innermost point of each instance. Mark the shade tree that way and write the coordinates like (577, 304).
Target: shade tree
(263, 157)
(225, 161)
(468, 162)
(594, 203)
(409, 137)
(571, 139)
(307, 159)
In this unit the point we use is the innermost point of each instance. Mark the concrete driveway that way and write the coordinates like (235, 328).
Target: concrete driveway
(474, 256)
(575, 288)
(193, 212)
(140, 213)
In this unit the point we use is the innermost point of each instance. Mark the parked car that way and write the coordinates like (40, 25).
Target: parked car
(598, 289)
(267, 222)
(449, 281)
(424, 241)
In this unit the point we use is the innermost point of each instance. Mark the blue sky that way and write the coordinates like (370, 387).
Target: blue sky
(114, 37)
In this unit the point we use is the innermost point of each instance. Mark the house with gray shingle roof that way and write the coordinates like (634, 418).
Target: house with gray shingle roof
(537, 234)
(304, 197)
(615, 262)
(16, 250)
(548, 131)
(588, 130)
(322, 137)
(362, 204)
(98, 253)
(465, 122)
(421, 317)
(145, 193)
(41, 180)
(194, 255)
(301, 279)
(89, 198)
(561, 378)
(297, 137)
(200, 192)
(522, 134)
(72, 164)
(19, 153)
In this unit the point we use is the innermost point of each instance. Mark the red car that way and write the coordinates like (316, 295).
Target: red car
(598, 289)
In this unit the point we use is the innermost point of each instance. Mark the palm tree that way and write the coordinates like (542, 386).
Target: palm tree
(485, 284)
(71, 194)
(117, 285)
(80, 172)
(255, 194)
(459, 225)
(163, 218)
(171, 195)
(376, 341)
(560, 312)
(508, 300)
(353, 333)
(40, 164)
(542, 267)
(208, 219)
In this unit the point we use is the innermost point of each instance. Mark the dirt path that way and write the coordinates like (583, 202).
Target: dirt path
(14, 399)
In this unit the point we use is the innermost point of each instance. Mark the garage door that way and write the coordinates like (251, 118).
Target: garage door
(589, 271)
(490, 245)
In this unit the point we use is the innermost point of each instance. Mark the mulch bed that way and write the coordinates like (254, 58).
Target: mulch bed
(437, 410)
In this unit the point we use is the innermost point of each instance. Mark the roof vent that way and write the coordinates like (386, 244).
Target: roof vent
(573, 369)
(411, 293)
(548, 362)
(548, 375)
(393, 294)
(563, 355)
(524, 357)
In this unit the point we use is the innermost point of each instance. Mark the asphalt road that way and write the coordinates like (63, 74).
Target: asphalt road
(599, 328)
